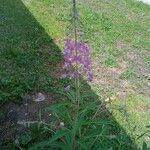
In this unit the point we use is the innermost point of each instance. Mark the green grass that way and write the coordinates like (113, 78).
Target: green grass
(128, 74)
(26, 53)
(31, 48)
(137, 107)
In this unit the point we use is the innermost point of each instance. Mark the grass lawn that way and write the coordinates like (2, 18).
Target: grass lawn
(118, 32)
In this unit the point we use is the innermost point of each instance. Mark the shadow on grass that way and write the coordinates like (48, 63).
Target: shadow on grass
(29, 57)
(27, 54)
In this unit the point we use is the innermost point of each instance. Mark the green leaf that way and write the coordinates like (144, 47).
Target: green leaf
(61, 110)
(69, 139)
(94, 132)
(51, 142)
(77, 126)
(84, 145)
(47, 144)
(59, 134)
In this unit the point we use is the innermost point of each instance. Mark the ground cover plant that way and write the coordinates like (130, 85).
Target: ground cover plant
(118, 32)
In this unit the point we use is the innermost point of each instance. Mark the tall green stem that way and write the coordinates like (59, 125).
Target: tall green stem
(77, 82)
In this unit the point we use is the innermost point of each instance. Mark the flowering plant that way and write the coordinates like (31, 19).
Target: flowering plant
(77, 121)
(77, 54)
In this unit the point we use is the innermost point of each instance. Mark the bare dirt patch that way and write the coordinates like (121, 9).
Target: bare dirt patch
(110, 77)
(17, 118)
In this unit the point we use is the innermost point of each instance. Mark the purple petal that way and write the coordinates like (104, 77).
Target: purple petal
(63, 76)
(91, 77)
(67, 88)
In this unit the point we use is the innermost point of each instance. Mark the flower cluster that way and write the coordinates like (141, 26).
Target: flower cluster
(77, 55)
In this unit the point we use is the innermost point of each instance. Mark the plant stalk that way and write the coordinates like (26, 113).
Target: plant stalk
(77, 81)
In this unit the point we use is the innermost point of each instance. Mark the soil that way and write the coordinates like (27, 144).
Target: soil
(110, 77)
(17, 118)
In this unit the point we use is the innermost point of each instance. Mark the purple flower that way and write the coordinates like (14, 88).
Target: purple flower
(90, 77)
(79, 56)
(75, 75)
(63, 76)
(67, 88)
